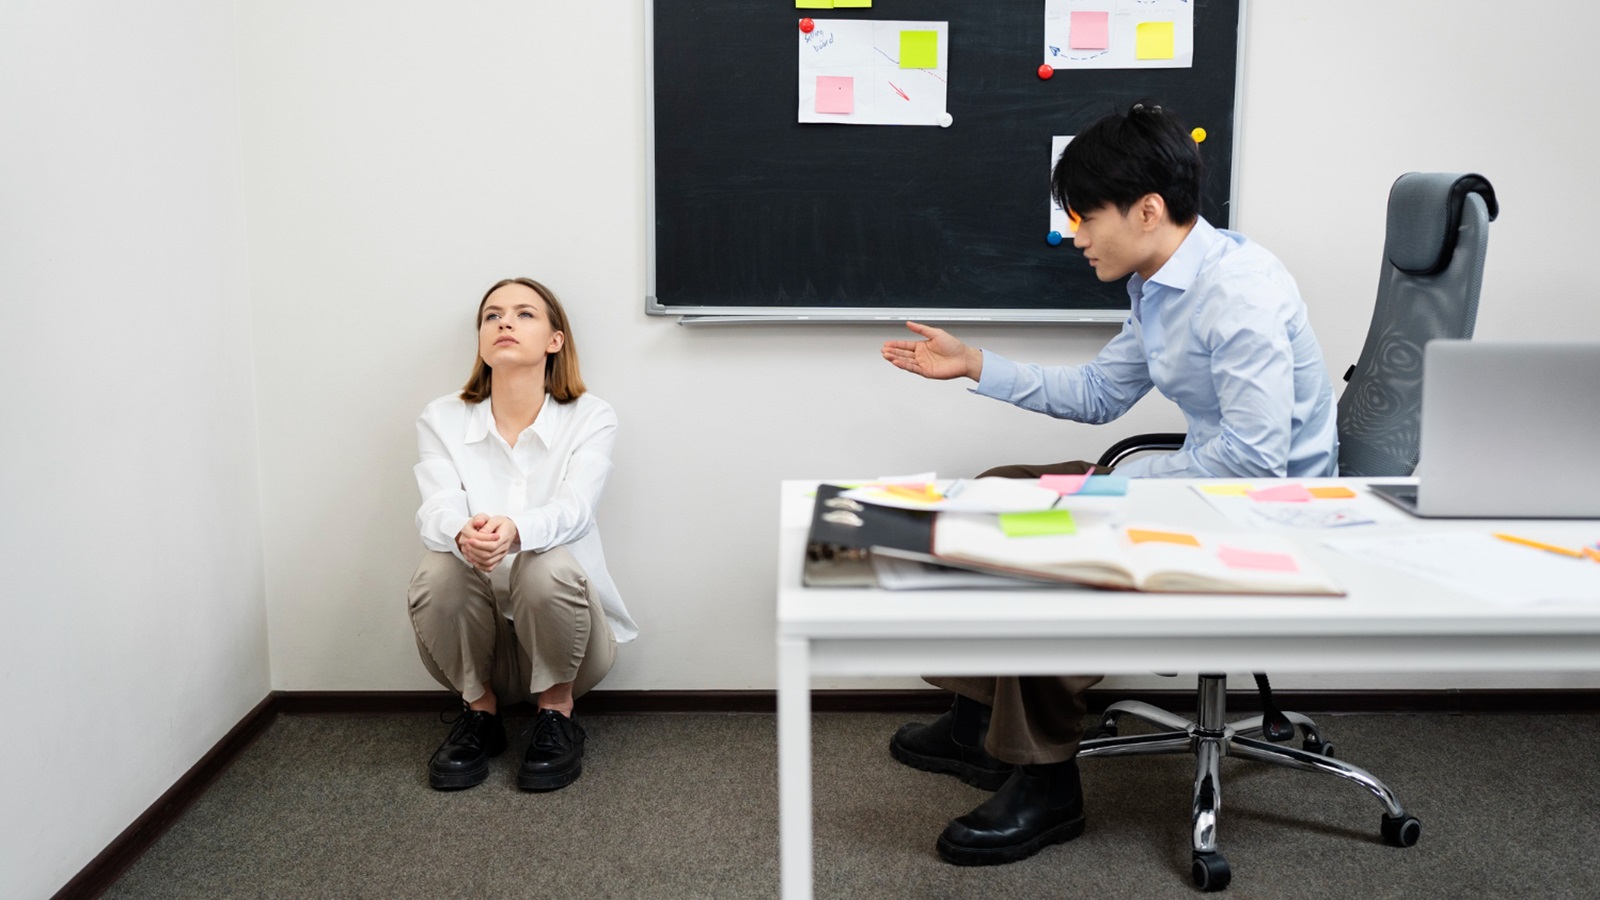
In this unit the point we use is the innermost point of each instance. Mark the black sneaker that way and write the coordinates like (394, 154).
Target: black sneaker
(555, 754)
(953, 748)
(463, 759)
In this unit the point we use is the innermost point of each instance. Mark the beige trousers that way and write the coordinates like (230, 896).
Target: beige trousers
(1035, 719)
(557, 631)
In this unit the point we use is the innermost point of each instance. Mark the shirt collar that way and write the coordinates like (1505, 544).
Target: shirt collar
(1180, 269)
(480, 418)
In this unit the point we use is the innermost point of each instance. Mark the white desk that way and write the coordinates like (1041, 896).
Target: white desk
(1389, 622)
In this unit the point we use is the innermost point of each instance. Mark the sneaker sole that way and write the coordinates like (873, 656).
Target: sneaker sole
(995, 856)
(456, 781)
(986, 779)
(548, 782)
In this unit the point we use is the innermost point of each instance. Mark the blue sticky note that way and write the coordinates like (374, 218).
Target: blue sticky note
(1104, 486)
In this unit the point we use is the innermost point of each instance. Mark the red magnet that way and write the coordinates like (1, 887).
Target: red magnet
(806, 25)
(1045, 71)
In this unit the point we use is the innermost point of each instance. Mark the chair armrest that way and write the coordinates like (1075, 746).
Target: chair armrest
(1140, 443)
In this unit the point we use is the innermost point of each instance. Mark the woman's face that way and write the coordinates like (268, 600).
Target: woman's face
(514, 329)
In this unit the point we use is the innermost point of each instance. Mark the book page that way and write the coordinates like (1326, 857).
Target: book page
(1092, 555)
(1167, 559)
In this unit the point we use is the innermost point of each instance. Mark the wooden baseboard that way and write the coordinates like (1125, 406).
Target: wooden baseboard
(134, 840)
(126, 848)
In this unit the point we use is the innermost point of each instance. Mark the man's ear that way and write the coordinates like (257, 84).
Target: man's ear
(1152, 210)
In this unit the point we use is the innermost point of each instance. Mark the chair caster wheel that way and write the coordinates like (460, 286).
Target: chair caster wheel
(1321, 748)
(1401, 831)
(1210, 871)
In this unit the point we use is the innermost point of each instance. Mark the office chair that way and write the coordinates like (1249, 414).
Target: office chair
(1437, 232)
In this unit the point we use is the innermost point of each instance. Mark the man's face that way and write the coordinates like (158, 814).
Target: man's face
(1114, 242)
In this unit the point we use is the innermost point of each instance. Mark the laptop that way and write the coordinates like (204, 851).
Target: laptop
(1510, 430)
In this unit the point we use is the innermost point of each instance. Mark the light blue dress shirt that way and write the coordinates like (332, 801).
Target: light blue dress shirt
(1222, 332)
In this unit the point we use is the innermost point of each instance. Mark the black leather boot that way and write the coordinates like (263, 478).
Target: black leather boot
(555, 753)
(952, 744)
(463, 759)
(1038, 806)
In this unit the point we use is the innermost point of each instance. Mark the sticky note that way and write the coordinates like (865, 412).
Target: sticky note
(1088, 31)
(1332, 493)
(1144, 536)
(813, 4)
(919, 49)
(1155, 40)
(852, 4)
(1035, 524)
(1236, 558)
(1283, 493)
(836, 94)
(1226, 490)
(1104, 486)
(1063, 484)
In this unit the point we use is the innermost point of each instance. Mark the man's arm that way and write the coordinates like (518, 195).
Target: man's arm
(1096, 392)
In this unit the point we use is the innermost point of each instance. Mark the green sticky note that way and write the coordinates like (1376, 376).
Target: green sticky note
(853, 4)
(919, 49)
(813, 4)
(1155, 40)
(1033, 524)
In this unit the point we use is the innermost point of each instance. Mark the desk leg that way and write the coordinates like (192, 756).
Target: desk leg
(794, 767)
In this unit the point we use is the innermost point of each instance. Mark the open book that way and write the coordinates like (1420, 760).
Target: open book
(1135, 557)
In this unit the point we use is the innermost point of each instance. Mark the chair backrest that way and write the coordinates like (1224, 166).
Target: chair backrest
(1433, 251)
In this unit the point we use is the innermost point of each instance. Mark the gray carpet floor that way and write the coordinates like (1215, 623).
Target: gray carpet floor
(686, 806)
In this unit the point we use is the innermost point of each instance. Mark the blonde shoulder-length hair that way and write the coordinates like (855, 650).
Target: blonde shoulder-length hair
(561, 376)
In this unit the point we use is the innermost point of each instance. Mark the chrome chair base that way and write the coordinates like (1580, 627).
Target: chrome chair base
(1210, 737)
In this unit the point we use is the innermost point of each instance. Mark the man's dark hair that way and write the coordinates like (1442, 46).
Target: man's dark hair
(1125, 156)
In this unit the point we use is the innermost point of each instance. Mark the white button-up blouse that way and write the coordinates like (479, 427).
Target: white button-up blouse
(549, 484)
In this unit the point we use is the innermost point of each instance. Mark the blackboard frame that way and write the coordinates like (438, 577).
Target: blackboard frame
(1219, 206)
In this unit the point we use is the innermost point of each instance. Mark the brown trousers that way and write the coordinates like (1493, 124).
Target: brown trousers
(1035, 719)
(557, 631)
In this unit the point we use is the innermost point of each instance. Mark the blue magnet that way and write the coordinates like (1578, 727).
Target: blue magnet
(1054, 238)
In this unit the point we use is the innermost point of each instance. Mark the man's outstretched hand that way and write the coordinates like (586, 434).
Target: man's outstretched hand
(939, 356)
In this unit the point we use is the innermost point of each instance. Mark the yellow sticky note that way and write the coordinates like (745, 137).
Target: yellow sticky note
(813, 4)
(1155, 40)
(852, 4)
(1226, 490)
(1332, 493)
(1143, 536)
(919, 49)
(1032, 524)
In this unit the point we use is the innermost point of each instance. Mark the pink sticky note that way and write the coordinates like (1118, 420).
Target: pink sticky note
(1063, 484)
(1088, 31)
(1255, 559)
(836, 94)
(1283, 493)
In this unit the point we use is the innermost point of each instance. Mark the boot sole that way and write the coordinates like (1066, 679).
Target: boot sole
(979, 778)
(548, 782)
(455, 781)
(995, 856)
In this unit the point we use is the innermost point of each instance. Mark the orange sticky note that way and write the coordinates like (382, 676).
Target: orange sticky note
(1332, 493)
(1144, 536)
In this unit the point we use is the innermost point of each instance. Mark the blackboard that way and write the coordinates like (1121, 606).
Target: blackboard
(752, 214)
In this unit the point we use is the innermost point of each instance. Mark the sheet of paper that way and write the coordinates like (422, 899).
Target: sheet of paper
(1033, 524)
(1333, 510)
(900, 70)
(1119, 34)
(1479, 565)
(1062, 222)
(987, 495)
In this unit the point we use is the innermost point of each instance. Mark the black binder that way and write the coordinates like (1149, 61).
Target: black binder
(843, 533)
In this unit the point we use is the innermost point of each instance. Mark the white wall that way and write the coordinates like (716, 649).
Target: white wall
(134, 617)
(402, 156)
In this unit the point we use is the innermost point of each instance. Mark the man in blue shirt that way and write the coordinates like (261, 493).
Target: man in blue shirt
(1218, 327)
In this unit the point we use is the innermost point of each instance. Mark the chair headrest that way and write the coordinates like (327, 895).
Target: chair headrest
(1424, 216)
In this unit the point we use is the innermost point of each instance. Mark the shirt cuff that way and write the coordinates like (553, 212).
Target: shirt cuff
(998, 378)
